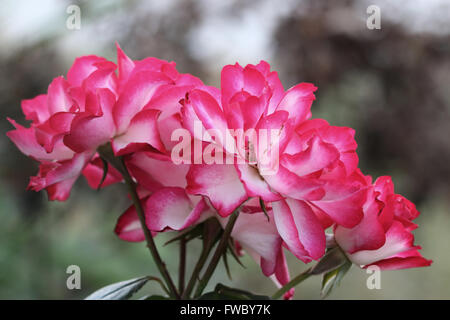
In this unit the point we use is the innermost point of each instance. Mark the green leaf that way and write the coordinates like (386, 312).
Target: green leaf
(263, 208)
(333, 278)
(105, 172)
(119, 291)
(333, 259)
(222, 292)
(188, 235)
(233, 252)
(238, 293)
(207, 230)
(211, 296)
(212, 231)
(227, 267)
(154, 297)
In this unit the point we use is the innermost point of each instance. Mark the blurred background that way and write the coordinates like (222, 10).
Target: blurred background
(391, 85)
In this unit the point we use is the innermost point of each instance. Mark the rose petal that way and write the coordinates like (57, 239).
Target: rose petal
(220, 183)
(300, 229)
(171, 208)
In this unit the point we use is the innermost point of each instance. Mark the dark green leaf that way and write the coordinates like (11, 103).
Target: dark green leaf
(154, 297)
(333, 259)
(232, 249)
(225, 262)
(188, 235)
(263, 208)
(119, 291)
(208, 231)
(212, 231)
(332, 279)
(222, 292)
(105, 172)
(211, 296)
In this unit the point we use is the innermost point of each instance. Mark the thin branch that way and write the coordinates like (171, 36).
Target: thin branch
(198, 267)
(218, 253)
(295, 281)
(182, 267)
(106, 153)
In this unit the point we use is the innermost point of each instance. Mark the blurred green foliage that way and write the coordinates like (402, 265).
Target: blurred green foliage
(391, 86)
(35, 253)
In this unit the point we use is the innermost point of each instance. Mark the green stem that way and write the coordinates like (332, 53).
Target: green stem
(106, 153)
(182, 267)
(221, 247)
(198, 267)
(295, 281)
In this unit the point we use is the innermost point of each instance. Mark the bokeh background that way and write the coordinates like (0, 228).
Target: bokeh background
(391, 85)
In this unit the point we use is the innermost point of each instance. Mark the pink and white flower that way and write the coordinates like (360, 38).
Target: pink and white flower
(94, 106)
(312, 186)
(290, 177)
(384, 236)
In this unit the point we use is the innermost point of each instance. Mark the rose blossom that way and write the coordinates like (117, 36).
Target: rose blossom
(313, 186)
(90, 108)
(168, 207)
(383, 237)
(288, 185)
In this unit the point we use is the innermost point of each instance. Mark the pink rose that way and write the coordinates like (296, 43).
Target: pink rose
(307, 171)
(195, 152)
(383, 237)
(90, 80)
(162, 186)
(90, 108)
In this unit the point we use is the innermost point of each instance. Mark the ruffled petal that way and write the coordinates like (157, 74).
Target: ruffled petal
(255, 232)
(25, 140)
(369, 234)
(128, 226)
(125, 64)
(136, 93)
(82, 68)
(58, 177)
(220, 183)
(89, 131)
(291, 185)
(297, 102)
(319, 155)
(343, 202)
(300, 229)
(171, 208)
(281, 276)
(58, 98)
(398, 240)
(141, 134)
(254, 184)
(411, 259)
(36, 109)
(232, 81)
(210, 114)
(93, 172)
(151, 171)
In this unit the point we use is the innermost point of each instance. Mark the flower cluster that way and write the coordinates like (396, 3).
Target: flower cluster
(289, 185)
